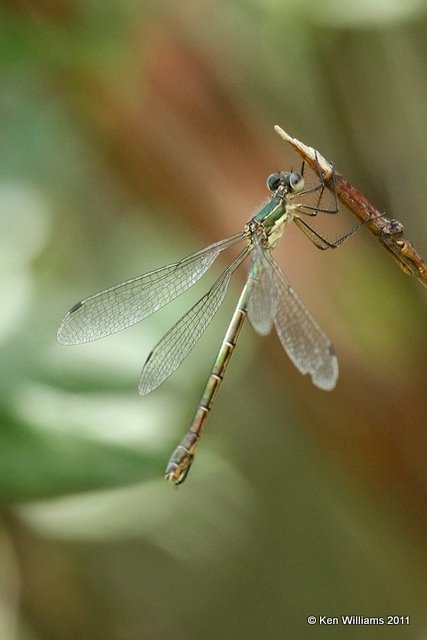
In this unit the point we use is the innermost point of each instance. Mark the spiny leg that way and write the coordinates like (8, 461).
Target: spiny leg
(324, 243)
(320, 241)
(313, 210)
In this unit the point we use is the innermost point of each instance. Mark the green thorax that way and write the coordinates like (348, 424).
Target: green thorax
(273, 216)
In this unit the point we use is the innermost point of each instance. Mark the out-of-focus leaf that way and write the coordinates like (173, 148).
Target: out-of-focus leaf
(34, 464)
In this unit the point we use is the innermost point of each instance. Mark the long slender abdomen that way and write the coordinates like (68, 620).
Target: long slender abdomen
(183, 456)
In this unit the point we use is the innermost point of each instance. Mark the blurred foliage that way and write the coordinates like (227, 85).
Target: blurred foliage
(132, 134)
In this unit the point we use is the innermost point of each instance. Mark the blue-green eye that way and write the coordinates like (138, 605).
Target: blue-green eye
(295, 182)
(273, 181)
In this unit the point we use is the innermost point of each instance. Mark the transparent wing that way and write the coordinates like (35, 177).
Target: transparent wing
(177, 343)
(262, 303)
(129, 302)
(301, 337)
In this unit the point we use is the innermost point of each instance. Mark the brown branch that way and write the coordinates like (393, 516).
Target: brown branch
(389, 232)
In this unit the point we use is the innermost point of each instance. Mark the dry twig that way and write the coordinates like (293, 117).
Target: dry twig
(389, 232)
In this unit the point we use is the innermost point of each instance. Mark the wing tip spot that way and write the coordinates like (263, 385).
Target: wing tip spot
(75, 307)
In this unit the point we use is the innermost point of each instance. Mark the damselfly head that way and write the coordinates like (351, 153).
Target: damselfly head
(292, 181)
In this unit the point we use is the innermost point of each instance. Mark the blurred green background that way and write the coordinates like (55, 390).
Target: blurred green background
(131, 134)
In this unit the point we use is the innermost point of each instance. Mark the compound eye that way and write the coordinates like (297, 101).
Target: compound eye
(296, 182)
(273, 181)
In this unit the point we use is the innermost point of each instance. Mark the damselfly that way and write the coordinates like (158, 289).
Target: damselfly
(267, 299)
